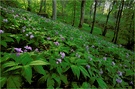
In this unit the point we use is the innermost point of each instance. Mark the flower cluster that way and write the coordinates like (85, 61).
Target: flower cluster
(62, 54)
(118, 80)
(1, 31)
(56, 43)
(58, 61)
(119, 73)
(18, 50)
(5, 20)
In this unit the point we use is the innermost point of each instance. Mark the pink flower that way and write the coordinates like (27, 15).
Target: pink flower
(1, 31)
(62, 54)
(48, 38)
(31, 36)
(18, 50)
(59, 61)
(56, 43)
(28, 47)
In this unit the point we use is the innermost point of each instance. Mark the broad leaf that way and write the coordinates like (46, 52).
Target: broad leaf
(27, 73)
(84, 71)
(39, 62)
(14, 82)
(75, 70)
(101, 83)
(40, 69)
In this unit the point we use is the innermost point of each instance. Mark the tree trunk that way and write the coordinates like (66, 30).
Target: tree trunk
(29, 7)
(90, 14)
(40, 6)
(54, 12)
(82, 13)
(105, 28)
(95, 7)
(118, 22)
(74, 11)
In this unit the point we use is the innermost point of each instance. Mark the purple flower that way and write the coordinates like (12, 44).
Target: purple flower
(113, 63)
(5, 20)
(62, 54)
(59, 61)
(48, 38)
(88, 66)
(28, 47)
(31, 36)
(23, 30)
(36, 50)
(118, 80)
(1, 31)
(131, 82)
(18, 50)
(104, 58)
(56, 43)
(119, 73)
(24, 27)
(25, 50)
(27, 34)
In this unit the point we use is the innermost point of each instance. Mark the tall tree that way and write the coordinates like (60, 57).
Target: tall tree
(82, 13)
(110, 10)
(29, 6)
(119, 14)
(95, 7)
(54, 8)
(74, 11)
(41, 2)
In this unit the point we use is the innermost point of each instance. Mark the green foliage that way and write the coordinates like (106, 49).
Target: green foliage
(40, 53)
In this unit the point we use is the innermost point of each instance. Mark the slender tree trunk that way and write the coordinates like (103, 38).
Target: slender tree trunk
(29, 7)
(54, 12)
(105, 28)
(95, 7)
(40, 6)
(90, 14)
(82, 13)
(118, 22)
(74, 11)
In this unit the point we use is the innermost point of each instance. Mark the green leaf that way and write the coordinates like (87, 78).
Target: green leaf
(3, 43)
(13, 68)
(64, 79)
(39, 62)
(59, 70)
(85, 85)
(50, 82)
(101, 83)
(129, 72)
(24, 59)
(14, 82)
(84, 71)
(8, 64)
(27, 73)
(81, 62)
(40, 69)
(75, 70)
(2, 81)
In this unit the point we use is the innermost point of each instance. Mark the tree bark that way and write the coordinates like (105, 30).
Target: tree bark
(118, 22)
(54, 12)
(74, 11)
(40, 6)
(105, 28)
(95, 7)
(29, 7)
(82, 13)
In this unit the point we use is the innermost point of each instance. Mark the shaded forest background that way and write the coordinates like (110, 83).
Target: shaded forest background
(112, 20)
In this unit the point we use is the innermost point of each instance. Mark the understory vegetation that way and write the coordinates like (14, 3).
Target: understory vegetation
(37, 52)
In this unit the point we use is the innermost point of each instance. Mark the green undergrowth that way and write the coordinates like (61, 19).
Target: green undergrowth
(40, 53)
